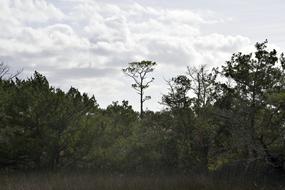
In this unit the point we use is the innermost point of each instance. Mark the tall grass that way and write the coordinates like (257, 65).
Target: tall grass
(88, 181)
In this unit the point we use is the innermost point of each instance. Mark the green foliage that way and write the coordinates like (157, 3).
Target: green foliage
(212, 120)
(252, 105)
(40, 125)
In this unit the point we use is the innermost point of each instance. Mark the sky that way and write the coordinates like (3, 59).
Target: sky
(87, 43)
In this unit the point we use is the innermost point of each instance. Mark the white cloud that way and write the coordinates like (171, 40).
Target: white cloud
(72, 39)
(29, 11)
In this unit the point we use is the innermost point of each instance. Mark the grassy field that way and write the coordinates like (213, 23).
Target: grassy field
(85, 181)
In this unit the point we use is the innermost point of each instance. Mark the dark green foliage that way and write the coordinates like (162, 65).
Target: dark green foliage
(41, 126)
(252, 106)
(229, 119)
(190, 104)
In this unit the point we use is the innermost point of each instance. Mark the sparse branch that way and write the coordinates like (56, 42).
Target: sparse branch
(6, 74)
(148, 83)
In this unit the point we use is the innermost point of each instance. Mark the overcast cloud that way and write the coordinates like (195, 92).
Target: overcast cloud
(86, 43)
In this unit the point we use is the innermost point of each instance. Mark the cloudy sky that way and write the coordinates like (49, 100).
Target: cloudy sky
(86, 43)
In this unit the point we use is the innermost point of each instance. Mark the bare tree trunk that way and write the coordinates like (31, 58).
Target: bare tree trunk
(141, 101)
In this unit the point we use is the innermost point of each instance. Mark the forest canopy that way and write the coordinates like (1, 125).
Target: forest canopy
(212, 119)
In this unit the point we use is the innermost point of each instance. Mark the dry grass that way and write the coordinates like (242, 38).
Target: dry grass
(85, 181)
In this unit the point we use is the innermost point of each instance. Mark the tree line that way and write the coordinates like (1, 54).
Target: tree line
(212, 118)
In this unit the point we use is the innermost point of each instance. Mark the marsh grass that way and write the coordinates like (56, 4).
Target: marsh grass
(89, 181)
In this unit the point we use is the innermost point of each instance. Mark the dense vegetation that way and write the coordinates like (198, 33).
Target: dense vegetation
(228, 118)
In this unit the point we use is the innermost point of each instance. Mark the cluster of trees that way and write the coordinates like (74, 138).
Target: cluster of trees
(212, 118)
